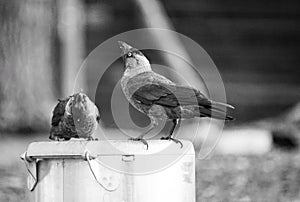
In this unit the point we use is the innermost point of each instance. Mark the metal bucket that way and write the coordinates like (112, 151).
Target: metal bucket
(110, 171)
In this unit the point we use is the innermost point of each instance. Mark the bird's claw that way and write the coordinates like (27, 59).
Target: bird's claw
(172, 139)
(92, 139)
(141, 140)
(58, 139)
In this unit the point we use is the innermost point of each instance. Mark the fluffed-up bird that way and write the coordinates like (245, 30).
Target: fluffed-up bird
(159, 98)
(74, 117)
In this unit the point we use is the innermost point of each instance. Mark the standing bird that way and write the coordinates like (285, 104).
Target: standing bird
(74, 117)
(161, 99)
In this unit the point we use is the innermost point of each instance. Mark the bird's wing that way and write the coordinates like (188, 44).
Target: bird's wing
(170, 95)
(154, 94)
(146, 78)
(192, 101)
(151, 88)
(190, 96)
(59, 111)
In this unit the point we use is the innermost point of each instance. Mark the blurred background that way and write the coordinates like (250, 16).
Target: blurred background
(255, 45)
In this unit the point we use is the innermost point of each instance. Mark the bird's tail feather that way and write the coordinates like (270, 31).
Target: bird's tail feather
(214, 112)
(221, 106)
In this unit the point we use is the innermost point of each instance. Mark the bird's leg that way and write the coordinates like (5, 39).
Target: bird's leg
(169, 137)
(153, 124)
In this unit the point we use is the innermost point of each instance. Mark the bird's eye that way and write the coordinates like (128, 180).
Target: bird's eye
(129, 54)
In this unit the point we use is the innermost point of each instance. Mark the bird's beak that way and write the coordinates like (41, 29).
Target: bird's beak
(124, 47)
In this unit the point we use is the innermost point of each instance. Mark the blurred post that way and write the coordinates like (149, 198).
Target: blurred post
(71, 23)
(154, 16)
(26, 89)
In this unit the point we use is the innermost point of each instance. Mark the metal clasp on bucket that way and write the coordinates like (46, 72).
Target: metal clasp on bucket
(30, 164)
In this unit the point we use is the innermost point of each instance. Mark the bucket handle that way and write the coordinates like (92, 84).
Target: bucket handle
(30, 164)
(111, 185)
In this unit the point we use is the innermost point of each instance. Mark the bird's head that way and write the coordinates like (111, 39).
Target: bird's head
(134, 60)
(80, 105)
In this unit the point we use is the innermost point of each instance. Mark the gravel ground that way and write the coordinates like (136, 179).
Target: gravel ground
(271, 177)
(12, 184)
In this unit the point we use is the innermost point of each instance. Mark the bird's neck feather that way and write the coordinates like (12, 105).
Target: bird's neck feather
(131, 72)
